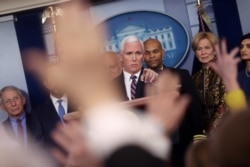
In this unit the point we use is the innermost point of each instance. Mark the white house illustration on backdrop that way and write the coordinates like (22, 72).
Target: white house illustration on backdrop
(165, 35)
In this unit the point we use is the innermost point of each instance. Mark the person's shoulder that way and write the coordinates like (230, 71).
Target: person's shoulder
(242, 73)
(243, 77)
(119, 78)
(28, 114)
(6, 122)
(134, 156)
(40, 107)
(197, 74)
(181, 72)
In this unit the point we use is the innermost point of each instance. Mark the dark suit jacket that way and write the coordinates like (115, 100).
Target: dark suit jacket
(47, 118)
(133, 156)
(29, 125)
(192, 123)
(139, 87)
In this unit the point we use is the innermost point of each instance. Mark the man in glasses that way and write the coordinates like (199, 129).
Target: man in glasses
(18, 123)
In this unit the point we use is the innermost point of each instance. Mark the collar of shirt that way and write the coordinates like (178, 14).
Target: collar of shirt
(64, 102)
(14, 120)
(128, 82)
(128, 75)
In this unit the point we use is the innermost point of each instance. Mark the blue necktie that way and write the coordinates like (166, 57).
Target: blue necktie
(61, 110)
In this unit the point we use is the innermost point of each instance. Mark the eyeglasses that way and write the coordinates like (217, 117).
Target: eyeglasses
(13, 100)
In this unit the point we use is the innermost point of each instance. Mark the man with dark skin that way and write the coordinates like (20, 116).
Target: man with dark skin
(154, 54)
(192, 124)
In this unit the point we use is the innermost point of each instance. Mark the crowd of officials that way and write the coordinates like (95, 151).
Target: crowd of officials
(109, 109)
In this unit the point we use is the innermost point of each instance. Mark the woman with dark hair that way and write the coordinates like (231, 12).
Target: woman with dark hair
(244, 75)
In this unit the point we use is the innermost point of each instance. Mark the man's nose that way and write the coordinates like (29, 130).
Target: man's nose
(151, 54)
(13, 103)
(134, 57)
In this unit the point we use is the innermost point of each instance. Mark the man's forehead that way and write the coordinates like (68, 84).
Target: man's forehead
(152, 43)
(9, 92)
(150, 49)
(133, 44)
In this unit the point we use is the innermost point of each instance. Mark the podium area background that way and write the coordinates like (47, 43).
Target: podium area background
(24, 30)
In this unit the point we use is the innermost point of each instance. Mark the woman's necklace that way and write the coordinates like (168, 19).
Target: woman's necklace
(248, 75)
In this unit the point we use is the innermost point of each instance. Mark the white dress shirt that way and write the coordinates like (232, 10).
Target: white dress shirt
(56, 104)
(128, 81)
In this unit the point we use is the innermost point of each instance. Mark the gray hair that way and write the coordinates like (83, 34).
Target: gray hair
(10, 87)
(128, 39)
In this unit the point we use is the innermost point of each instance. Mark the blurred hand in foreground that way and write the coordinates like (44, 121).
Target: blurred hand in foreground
(166, 104)
(226, 65)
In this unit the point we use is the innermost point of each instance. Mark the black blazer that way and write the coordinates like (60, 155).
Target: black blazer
(47, 118)
(133, 156)
(194, 111)
(192, 123)
(139, 87)
(10, 131)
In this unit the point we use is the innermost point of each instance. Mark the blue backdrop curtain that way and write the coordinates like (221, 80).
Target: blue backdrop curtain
(228, 22)
(30, 35)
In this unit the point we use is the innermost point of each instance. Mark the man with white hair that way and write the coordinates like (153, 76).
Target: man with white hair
(133, 77)
(19, 123)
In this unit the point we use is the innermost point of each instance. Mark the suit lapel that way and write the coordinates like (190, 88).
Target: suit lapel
(140, 87)
(28, 122)
(121, 84)
(52, 110)
(8, 127)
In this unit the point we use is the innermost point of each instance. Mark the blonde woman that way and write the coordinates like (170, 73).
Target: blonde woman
(209, 85)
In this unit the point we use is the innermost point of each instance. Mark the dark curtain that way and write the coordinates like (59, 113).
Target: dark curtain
(29, 34)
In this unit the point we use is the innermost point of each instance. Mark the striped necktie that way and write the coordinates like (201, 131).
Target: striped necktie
(133, 86)
(20, 132)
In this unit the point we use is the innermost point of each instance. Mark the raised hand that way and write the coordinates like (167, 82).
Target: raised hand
(71, 138)
(165, 103)
(149, 76)
(226, 65)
